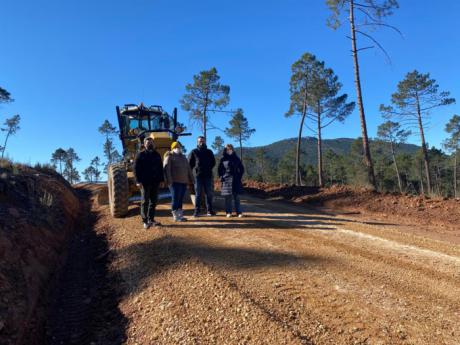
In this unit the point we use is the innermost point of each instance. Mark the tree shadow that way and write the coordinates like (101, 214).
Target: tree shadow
(247, 224)
(330, 220)
(325, 214)
(135, 211)
(158, 255)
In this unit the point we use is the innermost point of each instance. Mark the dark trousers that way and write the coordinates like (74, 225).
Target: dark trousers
(236, 201)
(149, 198)
(206, 184)
(177, 195)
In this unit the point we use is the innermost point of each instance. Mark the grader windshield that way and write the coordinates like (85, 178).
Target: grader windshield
(135, 120)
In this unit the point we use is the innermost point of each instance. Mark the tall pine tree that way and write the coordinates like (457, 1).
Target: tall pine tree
(58, 158)
(239, 129)
(110, 152)
(392, 133)
(368, 14)
(416, 96)
(205, 95)
(452, 144)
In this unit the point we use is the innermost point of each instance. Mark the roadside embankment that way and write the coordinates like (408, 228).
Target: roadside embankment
(39, 211)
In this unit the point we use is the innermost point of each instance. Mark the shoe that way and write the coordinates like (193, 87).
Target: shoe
(175, 214)
(211, 213)
(240, 215)
(146, 225)
(229, 215)
(196, 214)
(154, 223)
(181, 215)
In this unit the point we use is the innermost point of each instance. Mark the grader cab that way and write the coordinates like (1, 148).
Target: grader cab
(137, 122)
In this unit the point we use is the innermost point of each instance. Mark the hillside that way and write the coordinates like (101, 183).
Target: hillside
(340, 146)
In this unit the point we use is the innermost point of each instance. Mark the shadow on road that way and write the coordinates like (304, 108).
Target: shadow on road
(288, 210)
(157, 255)
(251, 222)
(84, 303)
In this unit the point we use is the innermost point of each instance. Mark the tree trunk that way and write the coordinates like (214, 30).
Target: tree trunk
(366, 149)
(108, 153)
(204, 119)
(426, 159)
(241, 148)
(455, 174)
(438, 179)
(299, 139)
(396, 166)
(320, 151)
(70, 174)
(422, 190)
(297, 157)
(4, 145)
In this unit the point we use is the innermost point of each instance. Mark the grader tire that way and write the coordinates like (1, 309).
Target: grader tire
(118, 190)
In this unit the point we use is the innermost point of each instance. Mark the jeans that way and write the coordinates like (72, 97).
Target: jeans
(149, 198)
(206, 184)
(177, 195)
(228, 203)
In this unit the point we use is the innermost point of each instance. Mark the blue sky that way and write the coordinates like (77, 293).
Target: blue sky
(68, 63)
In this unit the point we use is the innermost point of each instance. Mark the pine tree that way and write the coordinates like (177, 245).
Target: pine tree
(89, 173)
(452, 144)
(5, 96)
(110, 152)
(95, 164)
(325, 106)
(286, 168)
(417, 94)
(314, 96)
(335, 168)
(262, 164)
(11, 128)
(239, 129)
(206, 94)
(299, 89)
(371, 14)
(392, 133)
(70, 172)
(218, 145)
(58, 158)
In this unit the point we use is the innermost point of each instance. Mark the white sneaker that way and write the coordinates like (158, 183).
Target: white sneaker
(176, 216)
(146, 226)
(240, 215)
(229, 215)
(181, 215)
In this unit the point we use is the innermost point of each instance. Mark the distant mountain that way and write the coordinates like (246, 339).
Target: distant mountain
(341, 146)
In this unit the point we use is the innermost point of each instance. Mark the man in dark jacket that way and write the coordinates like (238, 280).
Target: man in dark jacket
(202, 162)
(148, 170)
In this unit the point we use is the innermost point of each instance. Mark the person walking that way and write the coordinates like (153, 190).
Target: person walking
(148, 171)
(178, 175)
(202, 162)
(231, 172)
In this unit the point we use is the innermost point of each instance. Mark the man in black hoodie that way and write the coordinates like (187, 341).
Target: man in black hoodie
(202, 162)
(148, 170)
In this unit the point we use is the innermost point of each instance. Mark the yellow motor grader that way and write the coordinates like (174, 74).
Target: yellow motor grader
(137, 122)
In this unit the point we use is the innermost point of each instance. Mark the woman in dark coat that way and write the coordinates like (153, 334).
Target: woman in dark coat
(231, 172)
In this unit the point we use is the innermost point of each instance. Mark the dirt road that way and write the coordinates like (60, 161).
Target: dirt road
(284, 275)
